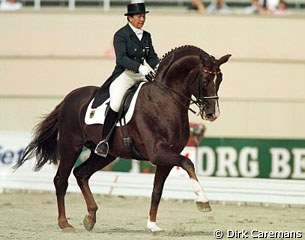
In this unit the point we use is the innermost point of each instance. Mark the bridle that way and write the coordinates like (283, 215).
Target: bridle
(200, 101)
(200, 85)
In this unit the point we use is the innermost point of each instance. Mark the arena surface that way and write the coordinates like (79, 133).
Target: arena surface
(74, 46)
(33, 215)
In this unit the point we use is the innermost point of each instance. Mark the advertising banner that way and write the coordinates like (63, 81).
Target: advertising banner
(237, 157)
(251, 158)
(219, 157)
(12, 145)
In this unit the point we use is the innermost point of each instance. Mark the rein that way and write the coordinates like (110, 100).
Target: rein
(183, 104)
(199, 101)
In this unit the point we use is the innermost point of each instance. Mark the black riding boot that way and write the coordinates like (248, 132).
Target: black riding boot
(111, 119)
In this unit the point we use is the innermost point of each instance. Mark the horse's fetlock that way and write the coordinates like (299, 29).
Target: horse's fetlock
(92, 209)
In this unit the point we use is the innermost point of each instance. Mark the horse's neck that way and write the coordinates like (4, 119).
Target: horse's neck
(178, 74)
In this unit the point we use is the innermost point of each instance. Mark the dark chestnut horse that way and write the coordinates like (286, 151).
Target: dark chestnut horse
(159, 129)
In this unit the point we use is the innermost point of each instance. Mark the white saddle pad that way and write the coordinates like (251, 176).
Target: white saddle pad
(97, 115)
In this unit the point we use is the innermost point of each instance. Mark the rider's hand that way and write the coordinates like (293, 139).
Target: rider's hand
(143, 70)
(150, 76)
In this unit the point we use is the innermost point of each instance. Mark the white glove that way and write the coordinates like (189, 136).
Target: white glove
(143, 70)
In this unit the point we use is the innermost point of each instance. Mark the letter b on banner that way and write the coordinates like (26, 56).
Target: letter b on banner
(280, 167)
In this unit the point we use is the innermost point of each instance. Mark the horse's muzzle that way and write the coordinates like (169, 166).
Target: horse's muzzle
(210, 114)
(209, 117)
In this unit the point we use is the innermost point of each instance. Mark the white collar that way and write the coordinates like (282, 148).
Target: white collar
(137, 31)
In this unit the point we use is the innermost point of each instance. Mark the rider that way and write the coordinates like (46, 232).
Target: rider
(132, 46)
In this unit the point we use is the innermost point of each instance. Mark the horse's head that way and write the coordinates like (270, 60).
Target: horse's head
(187, 71)
(206, 84)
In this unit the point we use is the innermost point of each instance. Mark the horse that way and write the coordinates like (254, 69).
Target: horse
(159, 129)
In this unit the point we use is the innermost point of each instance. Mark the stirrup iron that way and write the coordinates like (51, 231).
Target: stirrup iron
(102, 148)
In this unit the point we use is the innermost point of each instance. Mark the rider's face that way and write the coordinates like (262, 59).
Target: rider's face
(137, 20)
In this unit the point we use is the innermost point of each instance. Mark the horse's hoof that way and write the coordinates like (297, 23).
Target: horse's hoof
(87, 224)
(158, 232)
(69, 229)
(204, 206)
(66, 227)
(152, 226)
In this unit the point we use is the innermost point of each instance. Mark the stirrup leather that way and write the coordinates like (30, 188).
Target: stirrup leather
(102, 148)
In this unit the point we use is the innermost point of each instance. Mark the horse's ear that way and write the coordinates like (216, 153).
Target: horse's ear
(224, 59)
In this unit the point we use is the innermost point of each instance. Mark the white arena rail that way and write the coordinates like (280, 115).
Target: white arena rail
(288, 192)
(177, 186)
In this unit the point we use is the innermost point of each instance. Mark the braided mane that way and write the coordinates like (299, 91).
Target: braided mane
(175, 54)
(179, 50)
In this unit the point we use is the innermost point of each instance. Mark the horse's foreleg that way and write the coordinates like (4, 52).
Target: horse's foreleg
(161, 174)
(82, 174)
(202, 201)
(174, 159)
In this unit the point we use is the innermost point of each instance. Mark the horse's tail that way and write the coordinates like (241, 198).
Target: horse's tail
(44, 142)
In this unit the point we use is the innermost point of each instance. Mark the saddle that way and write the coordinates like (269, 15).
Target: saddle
(98, 107)
(127, 100)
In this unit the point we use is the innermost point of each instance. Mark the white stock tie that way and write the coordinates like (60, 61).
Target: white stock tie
(139, 33)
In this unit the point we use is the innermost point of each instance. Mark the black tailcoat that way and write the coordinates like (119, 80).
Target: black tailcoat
(130, 52)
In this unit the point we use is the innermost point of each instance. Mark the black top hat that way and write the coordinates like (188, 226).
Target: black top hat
(135, 8)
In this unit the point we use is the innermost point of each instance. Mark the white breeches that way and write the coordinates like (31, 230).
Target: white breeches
(120, 85)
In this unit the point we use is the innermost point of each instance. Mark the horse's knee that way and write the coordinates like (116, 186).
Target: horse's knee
(82, 172)
(166, 159)
(77, 173)
(187, 164)
(80, 178)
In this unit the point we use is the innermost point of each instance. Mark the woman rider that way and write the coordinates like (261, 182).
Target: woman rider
(132, 46)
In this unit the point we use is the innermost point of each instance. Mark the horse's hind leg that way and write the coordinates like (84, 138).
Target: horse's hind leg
(67, 161)
(161, 174)
(82, 174)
